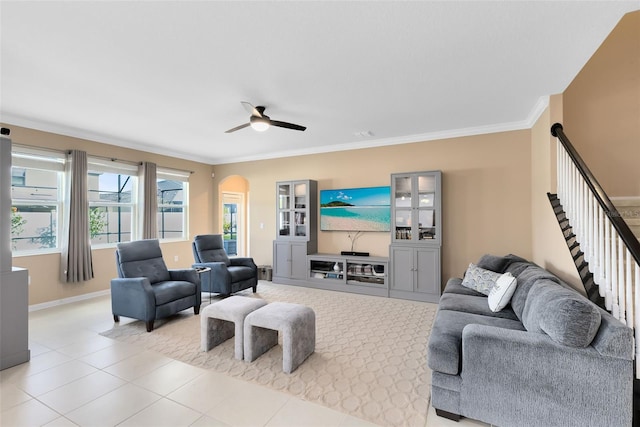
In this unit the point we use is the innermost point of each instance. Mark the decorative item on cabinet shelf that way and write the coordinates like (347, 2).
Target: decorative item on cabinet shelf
(403, 234)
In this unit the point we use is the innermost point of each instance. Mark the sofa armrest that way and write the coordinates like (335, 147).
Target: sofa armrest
(185, 275)
(188, 275)
(245, 262)
(220, 278)
(512, 377)
(133, 297)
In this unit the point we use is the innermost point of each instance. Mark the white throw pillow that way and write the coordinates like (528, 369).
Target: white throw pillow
(479, 279)
(502, 292)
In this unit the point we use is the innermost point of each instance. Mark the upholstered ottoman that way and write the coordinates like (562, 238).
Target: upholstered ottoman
(296, 323)
(224, 319)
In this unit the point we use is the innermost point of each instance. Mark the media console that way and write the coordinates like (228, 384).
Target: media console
(348, 273)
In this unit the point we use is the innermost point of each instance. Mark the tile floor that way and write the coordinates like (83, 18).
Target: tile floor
(76, 377)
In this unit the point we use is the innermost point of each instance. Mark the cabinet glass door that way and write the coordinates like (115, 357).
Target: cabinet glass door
(426, 207)
(300, 193)
(402, 187)
(284, 223)
(300, 202)
(284, 210)
(300, 224)
(284, 196)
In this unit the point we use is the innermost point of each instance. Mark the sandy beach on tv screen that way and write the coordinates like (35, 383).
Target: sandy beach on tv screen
(351, 224)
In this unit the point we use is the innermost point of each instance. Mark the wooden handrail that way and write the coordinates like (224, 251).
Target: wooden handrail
(625, 233)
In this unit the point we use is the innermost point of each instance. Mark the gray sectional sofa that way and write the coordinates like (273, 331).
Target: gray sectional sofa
(549, 358)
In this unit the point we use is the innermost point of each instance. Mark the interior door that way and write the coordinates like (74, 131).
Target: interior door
(233, 223)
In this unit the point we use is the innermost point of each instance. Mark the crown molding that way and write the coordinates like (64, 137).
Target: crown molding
(539, 107)
(537, 110)
(45, 126)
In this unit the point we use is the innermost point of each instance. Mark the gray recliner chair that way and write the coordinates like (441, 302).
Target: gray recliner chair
(145, 289)
(228, 275)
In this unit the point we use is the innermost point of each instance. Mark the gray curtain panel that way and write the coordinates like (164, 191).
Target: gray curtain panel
(149, 202)
(77, 265)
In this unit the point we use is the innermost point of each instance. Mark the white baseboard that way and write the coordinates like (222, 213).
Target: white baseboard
(55, 303)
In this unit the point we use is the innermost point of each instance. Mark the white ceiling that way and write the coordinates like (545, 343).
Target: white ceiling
(168, 77)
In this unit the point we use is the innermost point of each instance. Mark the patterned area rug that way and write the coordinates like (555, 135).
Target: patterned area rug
(370, 358)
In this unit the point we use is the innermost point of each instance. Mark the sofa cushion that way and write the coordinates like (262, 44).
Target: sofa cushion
(613, 338)
(479, 279)
(526, 279)
(210, 248)
(499, 264)
(563, 314)
(454, 286)
(501, 293)
(172, 290)
(473, 304)
(239, 273)
(445, 343)
(517, 267)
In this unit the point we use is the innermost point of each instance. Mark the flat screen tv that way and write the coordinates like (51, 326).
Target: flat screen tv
(355, 209)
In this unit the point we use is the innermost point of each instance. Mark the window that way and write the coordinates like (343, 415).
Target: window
(173, 196)
(112, 201)
(36, 205)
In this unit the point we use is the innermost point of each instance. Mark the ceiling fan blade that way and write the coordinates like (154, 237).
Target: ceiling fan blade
(287, 125)
(251, 109)
(237, 128)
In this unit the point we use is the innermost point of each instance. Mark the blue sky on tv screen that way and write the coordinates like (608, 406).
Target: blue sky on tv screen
(370, 196)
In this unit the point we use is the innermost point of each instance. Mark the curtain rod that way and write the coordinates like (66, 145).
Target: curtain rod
(33, 147)
(113, 159)
(174, 169)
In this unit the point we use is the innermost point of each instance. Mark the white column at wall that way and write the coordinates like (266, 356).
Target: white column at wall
(5, 205)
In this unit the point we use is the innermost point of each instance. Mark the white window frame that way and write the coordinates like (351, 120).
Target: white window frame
(175, 175)
(97, 164)
(44, 160)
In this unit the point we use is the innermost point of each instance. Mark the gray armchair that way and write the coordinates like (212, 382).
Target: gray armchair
(228, 275)
(145, 289)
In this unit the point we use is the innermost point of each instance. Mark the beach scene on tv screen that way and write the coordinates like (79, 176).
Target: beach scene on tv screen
(355, 209)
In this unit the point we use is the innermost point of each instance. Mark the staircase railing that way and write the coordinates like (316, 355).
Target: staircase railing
(609, 246)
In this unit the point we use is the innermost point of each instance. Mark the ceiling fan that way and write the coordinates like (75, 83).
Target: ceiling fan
(261, 122)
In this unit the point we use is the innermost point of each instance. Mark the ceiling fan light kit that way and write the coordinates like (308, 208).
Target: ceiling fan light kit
(261, 122)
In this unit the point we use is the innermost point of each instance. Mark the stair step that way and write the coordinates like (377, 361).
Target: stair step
(597, 299)
(590, 284)
(585, 275)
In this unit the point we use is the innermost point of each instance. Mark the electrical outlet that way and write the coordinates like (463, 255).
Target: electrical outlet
(175, 258)
(29, 279)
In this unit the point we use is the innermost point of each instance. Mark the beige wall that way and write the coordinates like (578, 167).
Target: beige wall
(602, 110)
(486, 193)
(44, 270)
